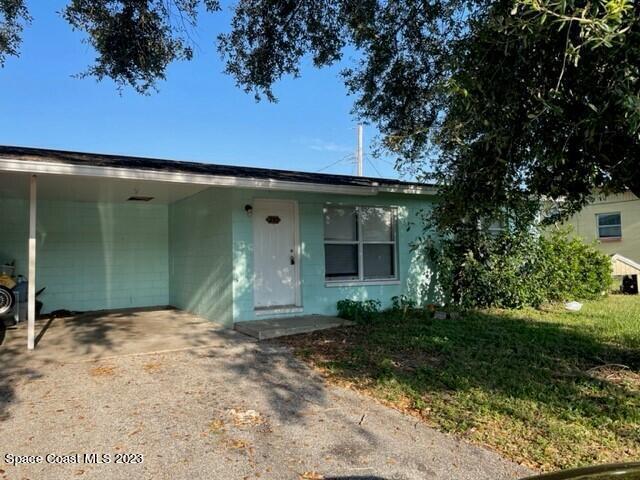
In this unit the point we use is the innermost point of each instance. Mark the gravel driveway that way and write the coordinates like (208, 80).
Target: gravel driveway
(238, 410)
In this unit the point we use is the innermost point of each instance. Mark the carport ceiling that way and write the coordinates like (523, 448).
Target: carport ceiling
(92, 189)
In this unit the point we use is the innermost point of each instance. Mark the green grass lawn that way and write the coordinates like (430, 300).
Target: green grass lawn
(550, 389)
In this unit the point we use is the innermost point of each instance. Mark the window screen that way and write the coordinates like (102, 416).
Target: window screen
(341, 261)
(378, 261)
(340, 224)
(376, 224)
(360, 243)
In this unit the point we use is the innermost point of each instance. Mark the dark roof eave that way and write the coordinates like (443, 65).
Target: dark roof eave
(40, 155)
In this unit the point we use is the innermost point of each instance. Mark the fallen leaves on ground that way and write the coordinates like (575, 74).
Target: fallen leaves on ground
(617, 374)
(216, 426)
(152, 367)
(243, 418)
(103, 371)
(547, 407)
(237, 444)
(311, 476)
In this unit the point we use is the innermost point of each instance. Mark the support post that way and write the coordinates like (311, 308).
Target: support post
(359, 152)
(31, 298)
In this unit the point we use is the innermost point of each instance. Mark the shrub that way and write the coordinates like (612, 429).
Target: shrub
(515, 270)
(572, 269)
(360, 311)
(402, 303)
(405, 306)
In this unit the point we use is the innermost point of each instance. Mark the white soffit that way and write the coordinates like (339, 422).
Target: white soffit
(94, 189)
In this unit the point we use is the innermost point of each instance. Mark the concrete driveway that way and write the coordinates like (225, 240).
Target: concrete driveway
(230, 409)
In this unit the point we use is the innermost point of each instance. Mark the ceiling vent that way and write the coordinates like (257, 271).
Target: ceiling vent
(139, 198)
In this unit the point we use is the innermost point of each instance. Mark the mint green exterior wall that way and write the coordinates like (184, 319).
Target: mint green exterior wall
(200, 255)
(317, 298)
(14, 232)
(91, 256)
(195, 254)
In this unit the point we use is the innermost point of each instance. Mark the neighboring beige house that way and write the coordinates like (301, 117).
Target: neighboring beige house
(613, 223)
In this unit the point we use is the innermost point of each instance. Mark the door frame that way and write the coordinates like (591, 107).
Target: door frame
(296, 252)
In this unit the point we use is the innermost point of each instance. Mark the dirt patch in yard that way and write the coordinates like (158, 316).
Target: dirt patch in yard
(618, 374)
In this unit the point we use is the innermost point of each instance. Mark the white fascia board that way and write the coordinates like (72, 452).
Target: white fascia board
(627, 261)
(52, 168)
(409, 189)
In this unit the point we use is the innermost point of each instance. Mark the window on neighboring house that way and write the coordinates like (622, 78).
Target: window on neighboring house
(609, 225)
(360, 243)
(495, 228)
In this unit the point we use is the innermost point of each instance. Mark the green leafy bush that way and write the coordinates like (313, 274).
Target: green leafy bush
(516, 270)
(360, 311)
(572, 269)
(402, 303)
(405, 306)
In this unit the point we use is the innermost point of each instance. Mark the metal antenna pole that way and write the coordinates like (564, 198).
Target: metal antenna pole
(359, 152)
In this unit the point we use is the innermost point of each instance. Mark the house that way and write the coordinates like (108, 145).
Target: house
(613, 223)
(227, 243)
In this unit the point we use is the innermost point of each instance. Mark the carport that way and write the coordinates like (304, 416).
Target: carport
(227, 243)
(104, 232)
(93, 243)
(114, 333)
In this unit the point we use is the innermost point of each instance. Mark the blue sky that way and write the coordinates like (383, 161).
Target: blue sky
(198, 114)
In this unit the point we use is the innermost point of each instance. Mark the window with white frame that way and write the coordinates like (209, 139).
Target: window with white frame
(495, 228)
(360, 244)
(609, 225)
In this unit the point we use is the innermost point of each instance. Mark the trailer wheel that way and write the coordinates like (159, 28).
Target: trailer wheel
(7, 300)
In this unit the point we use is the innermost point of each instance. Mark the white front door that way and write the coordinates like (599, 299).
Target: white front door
(275, 253)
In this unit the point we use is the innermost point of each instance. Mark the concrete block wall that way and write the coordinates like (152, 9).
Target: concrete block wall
(14, 232)
(195, 254)
(416, 279)
(200, 255)
(92, 256)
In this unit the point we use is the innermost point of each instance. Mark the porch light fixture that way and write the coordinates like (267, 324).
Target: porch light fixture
(139, 198)
(248, 209)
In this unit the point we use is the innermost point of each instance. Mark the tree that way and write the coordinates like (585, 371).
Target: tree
(135, 40)
(499, 101)
(13, 14)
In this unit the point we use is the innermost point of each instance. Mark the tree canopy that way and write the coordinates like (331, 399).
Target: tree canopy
(498, 101)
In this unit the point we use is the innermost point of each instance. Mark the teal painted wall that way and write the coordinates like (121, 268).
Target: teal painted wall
(14, 232)
(92, 256)
(195, 254)
(200, 255)
(415, 276)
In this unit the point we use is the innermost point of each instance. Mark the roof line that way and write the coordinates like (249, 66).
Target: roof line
(51, 168)
(36, 160)
(625, 260)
